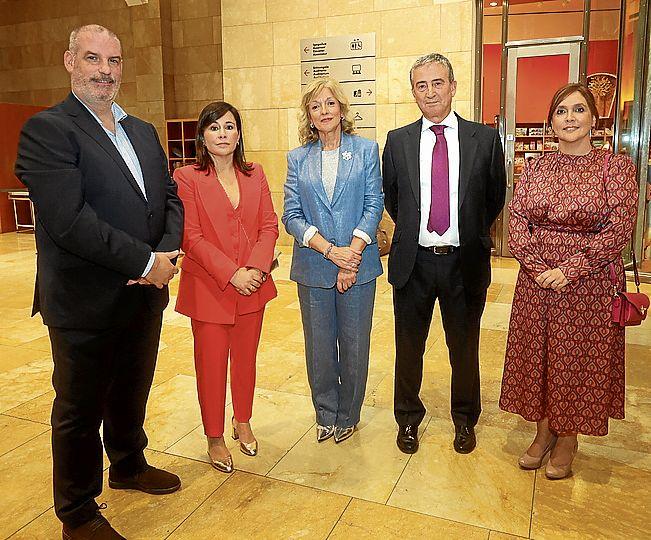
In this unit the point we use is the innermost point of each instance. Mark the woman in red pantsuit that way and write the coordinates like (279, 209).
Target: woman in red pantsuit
(229, 237)
(572, 214)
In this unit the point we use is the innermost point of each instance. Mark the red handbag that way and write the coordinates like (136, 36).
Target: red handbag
(629, 308)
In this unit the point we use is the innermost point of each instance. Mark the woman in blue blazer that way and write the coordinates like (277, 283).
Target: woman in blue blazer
(333, 204)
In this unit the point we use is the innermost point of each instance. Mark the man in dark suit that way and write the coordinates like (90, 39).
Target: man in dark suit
(108, 228)
(444, 185)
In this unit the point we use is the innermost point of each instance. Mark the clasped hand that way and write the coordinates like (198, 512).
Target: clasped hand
(345, 257)
(161, 272)
(247, 280)
(345, 280)
(553, 279)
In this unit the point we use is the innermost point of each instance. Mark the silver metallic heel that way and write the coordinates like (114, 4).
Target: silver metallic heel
(341, 434)
(324, 432)
(248, 449)
(223, 466)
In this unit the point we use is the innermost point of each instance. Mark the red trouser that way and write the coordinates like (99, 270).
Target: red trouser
(212, 343)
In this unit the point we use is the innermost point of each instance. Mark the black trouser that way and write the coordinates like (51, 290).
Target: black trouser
(437, 276)
(99, 376)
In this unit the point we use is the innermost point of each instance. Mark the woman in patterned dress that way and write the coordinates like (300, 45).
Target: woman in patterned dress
(572, 214)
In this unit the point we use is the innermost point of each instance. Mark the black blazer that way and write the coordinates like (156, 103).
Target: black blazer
(482, 187)
(94, 228)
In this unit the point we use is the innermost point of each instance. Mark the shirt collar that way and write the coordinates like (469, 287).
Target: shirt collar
(451, 121)
(118, 112)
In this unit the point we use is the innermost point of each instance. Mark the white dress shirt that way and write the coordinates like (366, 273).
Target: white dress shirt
(427, 142)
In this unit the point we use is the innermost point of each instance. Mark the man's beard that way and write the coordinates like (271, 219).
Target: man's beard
(89, 90)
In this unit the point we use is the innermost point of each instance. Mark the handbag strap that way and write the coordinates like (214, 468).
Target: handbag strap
(605, 171)
(635, 274)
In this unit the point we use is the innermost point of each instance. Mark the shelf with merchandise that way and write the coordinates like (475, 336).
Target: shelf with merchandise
(532, 140)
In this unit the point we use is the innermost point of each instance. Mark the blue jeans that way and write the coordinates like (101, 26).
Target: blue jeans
(337, 329)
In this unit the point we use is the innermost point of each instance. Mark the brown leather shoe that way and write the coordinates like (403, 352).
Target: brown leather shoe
(152, 480)
(97, 528)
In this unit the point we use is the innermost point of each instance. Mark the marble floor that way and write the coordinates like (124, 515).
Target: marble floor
(296, 488)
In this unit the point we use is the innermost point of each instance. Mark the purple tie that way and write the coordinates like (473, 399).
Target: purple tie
(439, 210)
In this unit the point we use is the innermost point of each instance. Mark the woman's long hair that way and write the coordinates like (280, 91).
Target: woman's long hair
(211, 113)
(307, 133)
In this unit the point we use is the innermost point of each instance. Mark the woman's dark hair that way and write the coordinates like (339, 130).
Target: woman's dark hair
(565, 91)
(211, 113)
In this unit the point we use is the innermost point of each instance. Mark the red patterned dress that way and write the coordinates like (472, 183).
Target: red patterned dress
(564, 356)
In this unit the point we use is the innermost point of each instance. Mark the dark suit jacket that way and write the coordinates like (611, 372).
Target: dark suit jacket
(482, 187)
(94, 228)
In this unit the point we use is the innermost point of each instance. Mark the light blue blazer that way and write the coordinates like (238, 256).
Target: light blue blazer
(357, 203)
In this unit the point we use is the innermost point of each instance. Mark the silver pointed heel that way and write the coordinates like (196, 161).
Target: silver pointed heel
(222, 466)
(324, 432)
(248, 449)
(341, 434)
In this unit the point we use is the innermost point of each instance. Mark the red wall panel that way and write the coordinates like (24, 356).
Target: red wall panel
(602, 57)
(12, 118)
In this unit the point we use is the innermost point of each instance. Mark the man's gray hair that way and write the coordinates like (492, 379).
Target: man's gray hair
(428, 59)
(73, 44)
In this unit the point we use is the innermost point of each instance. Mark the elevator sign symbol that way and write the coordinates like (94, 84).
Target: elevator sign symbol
(356, 45)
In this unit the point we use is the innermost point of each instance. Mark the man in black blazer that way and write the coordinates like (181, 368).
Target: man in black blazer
(444, 185)
(108, 228)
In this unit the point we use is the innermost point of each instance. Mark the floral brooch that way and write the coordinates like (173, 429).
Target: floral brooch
(346, 155)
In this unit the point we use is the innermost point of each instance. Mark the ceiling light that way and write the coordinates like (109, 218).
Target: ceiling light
(493, 4)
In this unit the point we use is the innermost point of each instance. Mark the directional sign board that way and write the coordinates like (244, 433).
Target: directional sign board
(351, 61)
(343, 70)
(359, 93)
(355, 46)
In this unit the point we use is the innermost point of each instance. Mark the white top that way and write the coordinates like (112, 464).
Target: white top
(427, 142)
(329, 164)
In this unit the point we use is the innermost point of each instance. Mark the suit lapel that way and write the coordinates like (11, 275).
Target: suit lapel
(412, 154)
(85, 121)
(467, 151)
(141, 147)
(249, 197)
(313, 172)
(346, 160)
(213, 198)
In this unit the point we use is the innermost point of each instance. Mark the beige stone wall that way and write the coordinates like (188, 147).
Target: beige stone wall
(197, 62)
(34, 36)
(261, 63)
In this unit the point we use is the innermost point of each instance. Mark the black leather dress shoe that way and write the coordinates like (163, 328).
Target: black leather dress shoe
(464, 439)
(407, 439)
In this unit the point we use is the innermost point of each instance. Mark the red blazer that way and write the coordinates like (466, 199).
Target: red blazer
(215, 246)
